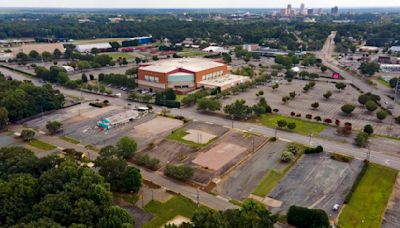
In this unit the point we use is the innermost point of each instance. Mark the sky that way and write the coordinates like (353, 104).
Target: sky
(196, 3)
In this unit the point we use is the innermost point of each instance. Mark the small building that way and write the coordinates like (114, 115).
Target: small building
(390, 68)
(394, 49)
(215, 50)
(88, 47)
(384, 60)
(369, 49)
(69, 69)
(5, 57)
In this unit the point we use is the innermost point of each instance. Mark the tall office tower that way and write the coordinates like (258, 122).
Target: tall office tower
(302, 9)
(335, 10)
(310, 11)
(289, 9)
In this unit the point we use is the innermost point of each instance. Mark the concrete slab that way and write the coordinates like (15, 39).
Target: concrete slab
(219, 155)
(156, 126)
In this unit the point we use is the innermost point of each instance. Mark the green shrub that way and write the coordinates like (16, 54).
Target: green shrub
(341, 157)
(315, 150)
(304, 217)
(179, 172)
(356, 182)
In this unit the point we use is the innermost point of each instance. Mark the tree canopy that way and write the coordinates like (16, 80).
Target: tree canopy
(54, 192)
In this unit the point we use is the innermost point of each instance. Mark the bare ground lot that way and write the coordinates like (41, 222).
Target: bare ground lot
(316, 182)
(242, 181)
(168, 151)
(212, 129)
(392, 215)
(155, 129)
(327, 109)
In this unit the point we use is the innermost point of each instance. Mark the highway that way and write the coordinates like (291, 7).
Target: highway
(326, 55)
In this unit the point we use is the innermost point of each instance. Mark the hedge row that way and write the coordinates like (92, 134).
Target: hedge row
(356, 182)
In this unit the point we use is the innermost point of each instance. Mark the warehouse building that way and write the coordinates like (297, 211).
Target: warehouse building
(186, 74)
(143, 39)
(88, 47)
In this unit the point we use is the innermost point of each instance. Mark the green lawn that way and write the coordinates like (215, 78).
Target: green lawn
(69, 139)
(179, 97)
(41, 145)
(192, 54)
(370, 198)
(178, 135)
(163, 212)
(384, 82)
(116, 55)
(303, 127)
(272, 177)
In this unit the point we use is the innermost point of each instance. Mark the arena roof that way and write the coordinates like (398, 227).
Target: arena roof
(190, 64)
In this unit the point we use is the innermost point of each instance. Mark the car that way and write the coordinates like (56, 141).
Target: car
(336, 207)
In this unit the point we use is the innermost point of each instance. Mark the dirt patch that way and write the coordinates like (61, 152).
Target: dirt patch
(391, 218)
(198, 136)
(316, 182)
(219, 155)
(168, 151)
(157, 126)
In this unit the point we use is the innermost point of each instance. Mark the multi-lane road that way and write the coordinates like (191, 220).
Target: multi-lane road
(326, 55)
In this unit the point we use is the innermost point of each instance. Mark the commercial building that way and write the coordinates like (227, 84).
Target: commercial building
(335, 10)
(390, 68)
(186, 74)
(143, 39)
(88, 47)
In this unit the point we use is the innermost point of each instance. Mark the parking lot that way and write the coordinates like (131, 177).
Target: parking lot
(317, 181)
(241, 182)
(327, 108)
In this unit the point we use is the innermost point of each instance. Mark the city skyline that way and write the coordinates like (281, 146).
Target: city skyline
(194, 4)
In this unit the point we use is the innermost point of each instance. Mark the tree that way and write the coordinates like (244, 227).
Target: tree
(84, 78)
(340, 86)
(324, 68)
(281, 123)
(21, 57)
(275, 86)
(348, 108)
(34, 55)
(126, 147)
(287, 156)
(292, 94)
(131, 180)
(238, 110)
(46, 56)
(371, 106)
(180, 172)
(291, 126)
(115, 45)
(304, 217)
(368, 129)
(315, 105)
(361, 139)
(57, 53)
(381, 115)
(53, 127)
(327, 95)
(369, 68)
(27, 135)
(285, 99)
(54, 192)
(205, 104)
(3, 117)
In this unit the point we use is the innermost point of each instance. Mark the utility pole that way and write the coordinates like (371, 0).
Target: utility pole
(198, 197)
(368, 154)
